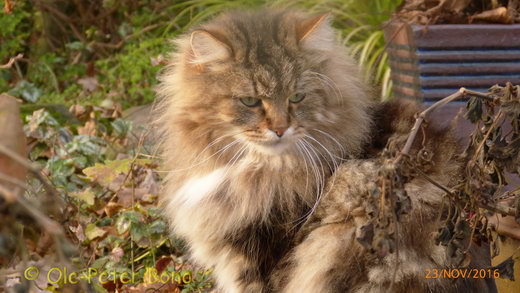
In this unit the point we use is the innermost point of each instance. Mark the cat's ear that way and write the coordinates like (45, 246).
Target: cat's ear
(207, 48)
(315, 32)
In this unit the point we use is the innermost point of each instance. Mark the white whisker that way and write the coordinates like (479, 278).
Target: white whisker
(342, 149)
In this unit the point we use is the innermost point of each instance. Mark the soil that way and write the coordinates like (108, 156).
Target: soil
(427, 12)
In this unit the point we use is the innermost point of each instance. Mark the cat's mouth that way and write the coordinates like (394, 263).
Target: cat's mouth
(267, 142)
(275, 146)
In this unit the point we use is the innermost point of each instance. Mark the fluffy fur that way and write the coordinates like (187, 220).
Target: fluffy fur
(241, 179)
(330, 259)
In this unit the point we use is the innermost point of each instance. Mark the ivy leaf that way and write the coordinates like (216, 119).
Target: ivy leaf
(92, 232)
(126, 220)
(157, 227)
(87, 196)
(121, 127)
(27, 91)
(104, 174)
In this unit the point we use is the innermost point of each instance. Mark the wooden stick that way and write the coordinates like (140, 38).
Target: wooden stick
(11, 61)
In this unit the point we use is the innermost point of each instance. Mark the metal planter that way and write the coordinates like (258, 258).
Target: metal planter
(432, 62)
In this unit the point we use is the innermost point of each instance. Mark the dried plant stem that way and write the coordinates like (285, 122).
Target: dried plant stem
(484, 139)
(493, 207)
(11, 61)
(421, 117)
(462, 92)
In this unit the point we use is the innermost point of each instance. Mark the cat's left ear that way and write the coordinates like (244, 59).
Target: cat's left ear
(315, 32)
(207, 48)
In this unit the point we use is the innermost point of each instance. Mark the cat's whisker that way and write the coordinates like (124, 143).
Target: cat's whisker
(313, 165)
(321, 176)
(234, 159)
(305, 154)
(332, 156)
(320, 180)
(334, 162)
(329, 83)
(342, 149)
(306, 168)
(215, 141)
(220, 151)
(318, 155)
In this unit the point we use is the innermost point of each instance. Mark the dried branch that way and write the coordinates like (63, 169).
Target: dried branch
(11, 61)
(421, 117)
(461, 93)
(122, 42)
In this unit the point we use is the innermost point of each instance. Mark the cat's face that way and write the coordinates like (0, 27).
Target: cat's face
(270, 110)
(273, 83)
(263, 86)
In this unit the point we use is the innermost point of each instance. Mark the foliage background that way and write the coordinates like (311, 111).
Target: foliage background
(83, 64)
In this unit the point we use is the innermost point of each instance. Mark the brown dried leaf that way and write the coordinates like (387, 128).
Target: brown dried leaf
(88, 129)
(162, 263)
(112, 208)
(457, 5)
(116, 254)
(89, 83)
(497, 15)
(78, 231)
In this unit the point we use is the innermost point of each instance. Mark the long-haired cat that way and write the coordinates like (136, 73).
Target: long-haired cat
(259, 109)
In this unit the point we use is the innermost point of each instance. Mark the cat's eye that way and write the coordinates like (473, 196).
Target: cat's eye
(250, 101)
(297, 98)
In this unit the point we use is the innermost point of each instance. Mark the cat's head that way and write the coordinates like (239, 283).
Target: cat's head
(274, 81)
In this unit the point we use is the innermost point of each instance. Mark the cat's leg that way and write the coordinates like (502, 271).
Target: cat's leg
(213, 240)
(234, 271)
(329, 249)
(319, 263)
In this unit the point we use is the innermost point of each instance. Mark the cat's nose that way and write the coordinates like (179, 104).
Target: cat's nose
(280, 131)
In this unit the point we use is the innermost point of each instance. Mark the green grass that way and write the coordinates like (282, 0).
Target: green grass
(126, 74)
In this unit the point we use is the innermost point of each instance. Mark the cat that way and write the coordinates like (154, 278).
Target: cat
(258, 110)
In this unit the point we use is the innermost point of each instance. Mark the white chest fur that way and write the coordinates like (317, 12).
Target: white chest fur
(197, 188)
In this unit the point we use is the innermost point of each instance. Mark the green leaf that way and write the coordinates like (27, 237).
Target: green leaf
(92, 232)
(157, 227)
(87, 196)
(105, 173)
(126, 219)
(121, 127)
(26, 90)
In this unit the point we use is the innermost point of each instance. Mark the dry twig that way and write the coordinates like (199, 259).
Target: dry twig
(11, 61)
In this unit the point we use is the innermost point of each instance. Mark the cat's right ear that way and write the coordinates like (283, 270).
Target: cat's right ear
(207, 48)
(315, 33)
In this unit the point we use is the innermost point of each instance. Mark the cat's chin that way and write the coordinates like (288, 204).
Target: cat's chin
(275, 148)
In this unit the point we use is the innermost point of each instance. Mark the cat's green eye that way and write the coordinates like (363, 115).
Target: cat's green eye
(250, 101)
(297, 98)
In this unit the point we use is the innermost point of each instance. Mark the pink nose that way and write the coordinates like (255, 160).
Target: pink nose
(280, 131)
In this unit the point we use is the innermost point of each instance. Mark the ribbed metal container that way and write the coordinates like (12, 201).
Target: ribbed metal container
(432, 62)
